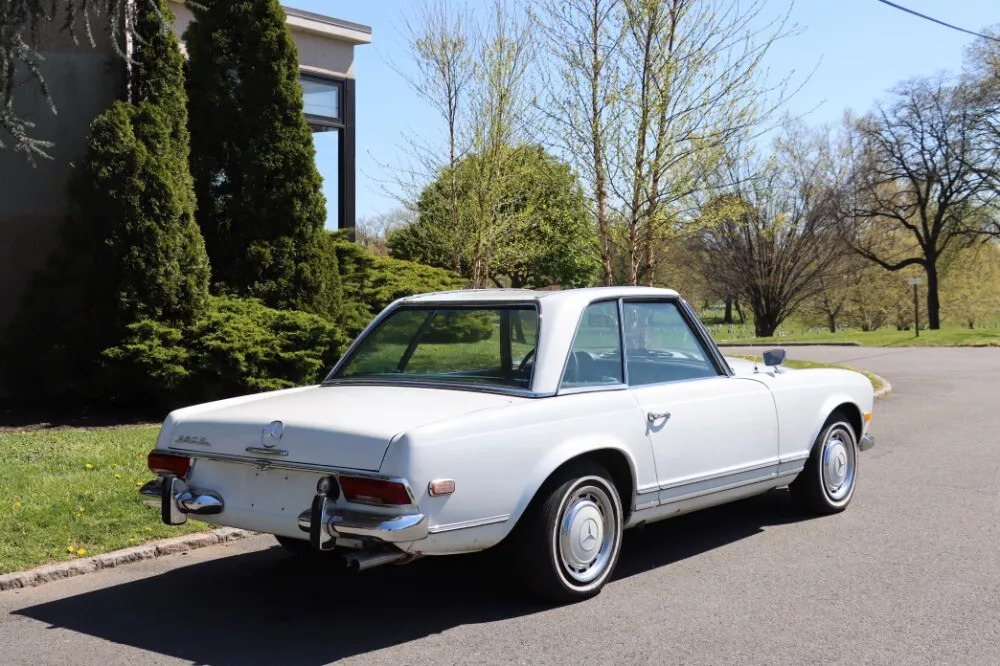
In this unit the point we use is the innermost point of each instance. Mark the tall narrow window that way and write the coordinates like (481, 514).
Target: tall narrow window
(596, 356)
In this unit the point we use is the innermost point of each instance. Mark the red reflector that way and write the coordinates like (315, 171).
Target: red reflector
(168, 463)
(373, 491)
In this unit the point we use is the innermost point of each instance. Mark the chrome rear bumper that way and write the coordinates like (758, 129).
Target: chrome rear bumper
(334, 521)
(867, 441)
(180, 500)
(346, 523)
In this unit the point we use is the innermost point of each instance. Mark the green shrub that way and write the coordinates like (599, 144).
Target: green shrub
(371, 283)
(238, 346)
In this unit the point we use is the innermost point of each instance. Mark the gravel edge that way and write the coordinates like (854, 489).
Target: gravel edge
(147, 551)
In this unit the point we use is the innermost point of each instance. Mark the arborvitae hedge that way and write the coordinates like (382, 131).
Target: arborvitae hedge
(261, 207)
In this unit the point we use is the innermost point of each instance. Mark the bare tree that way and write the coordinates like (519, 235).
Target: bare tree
(583, 40)
(982, 78)
(443, 45)
(373, 231)
(772, 239)
(923, 169)
(500, 120)
(649, 95)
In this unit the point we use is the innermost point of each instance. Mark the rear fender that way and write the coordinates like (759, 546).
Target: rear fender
(566, 451)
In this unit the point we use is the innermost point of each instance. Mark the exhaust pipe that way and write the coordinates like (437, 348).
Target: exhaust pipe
(361, 560)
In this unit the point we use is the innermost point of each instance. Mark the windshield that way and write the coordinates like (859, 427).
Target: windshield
(492, 345)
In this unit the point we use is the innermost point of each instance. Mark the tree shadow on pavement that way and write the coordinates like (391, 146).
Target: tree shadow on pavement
(266, 607)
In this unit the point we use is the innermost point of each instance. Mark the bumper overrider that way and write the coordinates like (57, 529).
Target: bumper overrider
(867, 441)
(323, 521)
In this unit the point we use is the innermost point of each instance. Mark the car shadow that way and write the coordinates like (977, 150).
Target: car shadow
(262, 607)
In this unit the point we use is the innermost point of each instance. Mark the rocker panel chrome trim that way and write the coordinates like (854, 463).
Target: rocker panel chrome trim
(466, 524)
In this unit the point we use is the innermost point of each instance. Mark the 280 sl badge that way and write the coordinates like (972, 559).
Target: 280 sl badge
(191, 439)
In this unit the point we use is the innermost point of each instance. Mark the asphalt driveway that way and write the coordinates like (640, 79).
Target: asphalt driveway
(910, 573)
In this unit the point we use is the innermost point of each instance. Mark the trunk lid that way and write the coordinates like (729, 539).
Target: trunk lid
(337, 425)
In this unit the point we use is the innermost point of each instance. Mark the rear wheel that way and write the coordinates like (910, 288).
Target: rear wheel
(826, 484)
(570, 538)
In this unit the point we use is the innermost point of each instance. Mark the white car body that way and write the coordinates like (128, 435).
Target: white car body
(671, 447)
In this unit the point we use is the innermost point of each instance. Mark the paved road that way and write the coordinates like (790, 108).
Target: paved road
(909, 574)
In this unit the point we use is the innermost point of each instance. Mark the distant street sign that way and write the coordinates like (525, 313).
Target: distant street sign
(915, 281)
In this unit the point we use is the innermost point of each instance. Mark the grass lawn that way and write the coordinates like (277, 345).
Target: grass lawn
(948, 336)
(876, 381)
(70, 493)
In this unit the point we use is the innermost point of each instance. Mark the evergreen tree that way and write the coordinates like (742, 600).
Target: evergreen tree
(131, 247)
(261, 207)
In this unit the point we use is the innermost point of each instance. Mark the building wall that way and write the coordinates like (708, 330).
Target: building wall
(317, 53)
(84, 81)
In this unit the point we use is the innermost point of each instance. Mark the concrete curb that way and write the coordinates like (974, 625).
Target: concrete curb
(886, 387)
(147, 551)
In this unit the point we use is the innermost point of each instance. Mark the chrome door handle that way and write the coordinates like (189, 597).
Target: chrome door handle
(653, 417)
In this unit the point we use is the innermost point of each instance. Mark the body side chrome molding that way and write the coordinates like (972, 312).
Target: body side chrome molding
(466, 524)
(712, 477)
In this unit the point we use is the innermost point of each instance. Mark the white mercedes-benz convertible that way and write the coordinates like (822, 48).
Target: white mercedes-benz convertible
(547, 422)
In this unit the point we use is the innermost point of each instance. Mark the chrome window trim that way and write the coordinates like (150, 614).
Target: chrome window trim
(447, 386)
(597, 388)
(401, 304)
(701, 331)
(621, 339)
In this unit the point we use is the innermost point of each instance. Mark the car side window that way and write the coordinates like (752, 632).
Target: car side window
(661, 347)
(596, 356)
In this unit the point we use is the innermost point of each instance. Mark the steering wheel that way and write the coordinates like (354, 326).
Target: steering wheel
(524, 361)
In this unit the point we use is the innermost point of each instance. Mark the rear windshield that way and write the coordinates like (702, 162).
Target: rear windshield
(492, 346)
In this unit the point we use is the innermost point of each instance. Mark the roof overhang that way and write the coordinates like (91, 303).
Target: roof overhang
(326, 26)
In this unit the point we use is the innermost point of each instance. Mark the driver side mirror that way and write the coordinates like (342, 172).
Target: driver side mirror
(774, 357)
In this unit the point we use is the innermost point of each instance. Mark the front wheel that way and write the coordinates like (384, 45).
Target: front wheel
(826, 484)
(572, 534)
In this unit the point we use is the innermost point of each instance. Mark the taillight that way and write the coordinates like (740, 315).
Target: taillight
(374, 491)
(168, 463)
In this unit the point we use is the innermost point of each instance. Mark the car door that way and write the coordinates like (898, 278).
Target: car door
(709, 431)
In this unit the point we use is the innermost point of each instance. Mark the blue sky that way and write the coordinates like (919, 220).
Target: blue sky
(860, 49)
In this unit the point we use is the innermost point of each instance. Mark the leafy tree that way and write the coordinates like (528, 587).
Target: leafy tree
(131, 248)
(970, 289)
(261, 208)
(545, 237)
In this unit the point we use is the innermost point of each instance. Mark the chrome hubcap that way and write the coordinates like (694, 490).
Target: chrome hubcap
(838, 464)
(586, 533)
